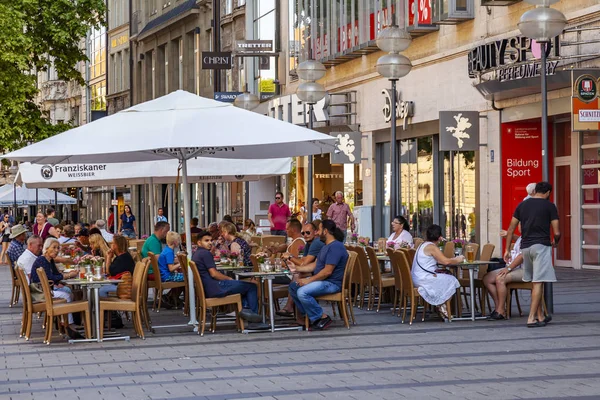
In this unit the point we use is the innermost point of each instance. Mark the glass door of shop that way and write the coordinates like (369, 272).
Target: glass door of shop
(566, 197)
(590, 200)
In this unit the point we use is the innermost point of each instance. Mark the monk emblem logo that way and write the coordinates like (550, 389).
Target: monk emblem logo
(47, 172)
(460, 131)
(346, 145)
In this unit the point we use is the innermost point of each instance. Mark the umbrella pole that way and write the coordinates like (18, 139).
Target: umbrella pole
(151, 202)
(185, 194)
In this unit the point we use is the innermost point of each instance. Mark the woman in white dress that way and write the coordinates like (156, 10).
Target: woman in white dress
(435, 288)
(400, 232)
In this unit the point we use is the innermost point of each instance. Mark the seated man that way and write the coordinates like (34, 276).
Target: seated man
(101, 225)
(496, 281)
(153, 243)
(328, 274)
(218, 285)
(33, 251)
(68, 235)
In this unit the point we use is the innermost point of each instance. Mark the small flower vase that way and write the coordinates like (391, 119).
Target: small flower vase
(261, 267)
(458, 251)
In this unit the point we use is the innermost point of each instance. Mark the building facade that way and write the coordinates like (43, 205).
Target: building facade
(466, 56)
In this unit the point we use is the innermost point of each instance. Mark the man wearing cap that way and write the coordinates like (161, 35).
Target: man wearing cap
(101, 224)
(18, 234)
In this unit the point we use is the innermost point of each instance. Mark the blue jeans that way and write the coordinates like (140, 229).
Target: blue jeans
(278, 233)
(246, 289)
(105, 289)
(304, 297)
(128, 233)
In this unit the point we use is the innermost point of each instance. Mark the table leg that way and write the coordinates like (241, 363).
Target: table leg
(472, 287)
(97, 312)
(271, 306)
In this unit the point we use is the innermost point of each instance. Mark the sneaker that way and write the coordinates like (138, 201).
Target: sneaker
(250, 316)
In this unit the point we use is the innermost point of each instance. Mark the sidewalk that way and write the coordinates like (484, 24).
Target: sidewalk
(379, 358)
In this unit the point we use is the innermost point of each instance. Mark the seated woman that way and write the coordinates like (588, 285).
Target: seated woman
(496, 281)
(250, 227)
(99, 248)
(170, 270)
(68, 235)
(59, 291)
(119, 261)
(400, 232)
(435, 288)
(236, 244)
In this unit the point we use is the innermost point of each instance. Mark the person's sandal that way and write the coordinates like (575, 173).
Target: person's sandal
(284, 313)
(536, 324)
(548, 319)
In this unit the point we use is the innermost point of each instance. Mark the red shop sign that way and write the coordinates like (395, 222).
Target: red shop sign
(521, 163)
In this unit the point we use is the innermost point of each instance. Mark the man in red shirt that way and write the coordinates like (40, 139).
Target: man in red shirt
(278, 215)
(340, 212)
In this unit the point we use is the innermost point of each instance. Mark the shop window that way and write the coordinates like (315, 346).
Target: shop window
(420, 17)
(452, 12)
(562, 139)
(460, 189)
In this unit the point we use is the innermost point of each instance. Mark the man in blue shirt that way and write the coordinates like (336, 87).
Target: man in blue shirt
(328, 274)
(218, 285)
(160, 217)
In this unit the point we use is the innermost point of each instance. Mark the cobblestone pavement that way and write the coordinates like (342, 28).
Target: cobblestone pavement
(379, 358)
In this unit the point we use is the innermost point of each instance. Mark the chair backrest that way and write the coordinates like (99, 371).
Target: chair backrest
(375, 270)
(389, 251)
(12, 270)
(347, 280)
(395, 263)
(183, 262)
(475, 247)
(363, 264)
(417, 242)
(372, 254)
(136, 281)
(256, 239)
(46, 289)
(144, 277)
(139, 245)
(449, 249)
(155, 269)
(405, 277)
(358, 274)
(27, 302)
(486, 255)
(411, 255)
(198, 286)
(267, 240)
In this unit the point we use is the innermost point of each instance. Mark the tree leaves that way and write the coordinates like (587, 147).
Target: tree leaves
(33, 35)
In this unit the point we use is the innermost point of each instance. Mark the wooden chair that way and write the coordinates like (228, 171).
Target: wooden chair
(30, 308)
(411, 255)
(145, 315)
(449, 249)
(132, 305)
(344, 297)
(16, 284)
(362, 265)
(480, 289)
(159, 285)
(398, 289)
(380, 282)
(267, 240)
(59, 309)
(417, 242)
(183, 261)
(358, 280)
(203, 302)
(512, 288)
(409, 292)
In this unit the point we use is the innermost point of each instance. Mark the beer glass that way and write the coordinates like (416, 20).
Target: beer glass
(470, 253)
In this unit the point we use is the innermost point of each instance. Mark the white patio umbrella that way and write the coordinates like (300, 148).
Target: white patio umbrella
(178, 126)
(202, 170)
(27, 197)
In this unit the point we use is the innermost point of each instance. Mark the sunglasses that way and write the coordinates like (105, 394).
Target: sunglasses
(306, 233)
(277, 198)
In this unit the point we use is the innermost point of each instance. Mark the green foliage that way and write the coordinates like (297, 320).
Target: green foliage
(33, 35)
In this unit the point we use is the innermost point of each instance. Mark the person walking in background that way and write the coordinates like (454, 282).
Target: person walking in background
(340, 212)
(127, 225)
(5, 231)
(536, 216)
(111, 220)
(160, 217)
(316, 211)
(278, 215)
(51, 216)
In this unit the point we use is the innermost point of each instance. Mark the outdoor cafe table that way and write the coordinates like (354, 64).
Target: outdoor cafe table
(473, 268)
(94, 301)
(267, 276)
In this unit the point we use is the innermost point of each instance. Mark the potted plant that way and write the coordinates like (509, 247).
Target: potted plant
(364, 241)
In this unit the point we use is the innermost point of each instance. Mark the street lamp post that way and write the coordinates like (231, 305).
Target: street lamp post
(542, 24)
(311, 93)
(393, 66)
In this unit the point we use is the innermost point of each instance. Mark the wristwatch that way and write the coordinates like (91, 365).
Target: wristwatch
(509, 269)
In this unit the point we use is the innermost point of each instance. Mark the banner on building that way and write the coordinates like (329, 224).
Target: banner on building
(226, 97)
(216, 60)
(253, 46)
(459, 130)
(347, 148)
(585, 100)
(521, 144)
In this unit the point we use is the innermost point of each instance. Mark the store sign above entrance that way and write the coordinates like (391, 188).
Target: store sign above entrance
(459, 130)
(291, 109)
(347, 148)
(404, 109)
(585, 101)
(512, 58)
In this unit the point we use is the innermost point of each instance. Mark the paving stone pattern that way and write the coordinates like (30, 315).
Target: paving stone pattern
(379, 358)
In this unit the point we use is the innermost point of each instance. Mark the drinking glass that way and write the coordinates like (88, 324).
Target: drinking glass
(470, 253)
